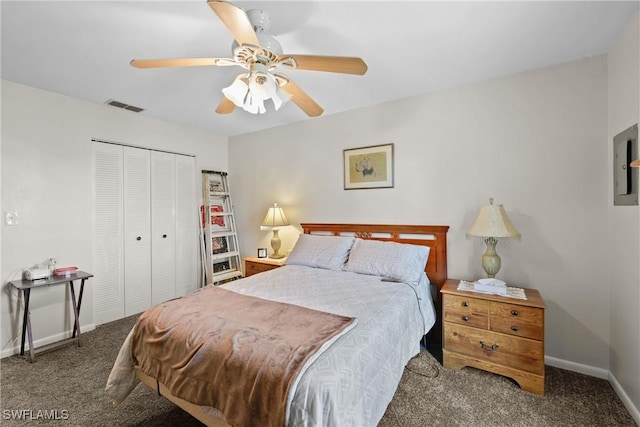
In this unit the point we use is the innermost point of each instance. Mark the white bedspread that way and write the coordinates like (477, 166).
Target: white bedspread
(353, 381)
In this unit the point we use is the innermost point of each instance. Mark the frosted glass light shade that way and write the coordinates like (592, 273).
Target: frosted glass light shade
(237, 91)
(280, 98)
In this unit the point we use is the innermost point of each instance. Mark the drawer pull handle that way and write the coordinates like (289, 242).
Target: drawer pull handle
(485, 347)
(465, 318)
(515, 329)
(138, 238)
(465, 304)
(514, 312)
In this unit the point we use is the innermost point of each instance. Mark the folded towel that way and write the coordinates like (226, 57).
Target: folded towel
(490, 289)
(517, 293)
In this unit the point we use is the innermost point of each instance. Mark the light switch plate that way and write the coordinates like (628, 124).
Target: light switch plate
(11, 217)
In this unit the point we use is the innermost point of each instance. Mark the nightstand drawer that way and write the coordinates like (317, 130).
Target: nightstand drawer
(466, 311)
(258, 265)
(519, 312)
(517, 327)
(255, 268)
(517, 353)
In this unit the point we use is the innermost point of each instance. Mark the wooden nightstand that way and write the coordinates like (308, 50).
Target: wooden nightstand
(497, 334)
(258, 265)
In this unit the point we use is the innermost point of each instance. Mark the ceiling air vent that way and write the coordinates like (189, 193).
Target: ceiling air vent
(119, 104)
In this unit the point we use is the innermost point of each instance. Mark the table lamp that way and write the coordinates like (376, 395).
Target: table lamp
(275, 220)
(492, 223)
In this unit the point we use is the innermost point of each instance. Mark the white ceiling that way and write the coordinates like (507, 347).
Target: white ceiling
(83, 48)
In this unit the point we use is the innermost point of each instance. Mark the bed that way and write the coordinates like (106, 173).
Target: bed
(363, 274)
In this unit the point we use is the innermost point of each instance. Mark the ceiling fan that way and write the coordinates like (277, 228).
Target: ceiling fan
(261, 55)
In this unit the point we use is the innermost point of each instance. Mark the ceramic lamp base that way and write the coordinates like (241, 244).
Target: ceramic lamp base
(491, 260)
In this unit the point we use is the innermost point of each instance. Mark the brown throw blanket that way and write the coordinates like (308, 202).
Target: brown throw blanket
(237, 353)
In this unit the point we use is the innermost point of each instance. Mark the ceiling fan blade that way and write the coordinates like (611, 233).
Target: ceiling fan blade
(226, 106)
(331, 64)
(181, 62)
(301, 99)
(236, 21)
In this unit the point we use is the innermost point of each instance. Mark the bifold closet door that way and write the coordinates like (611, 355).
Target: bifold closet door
(146, 229)
(163, 227)
(137, 230)
(108, 260)
(187, 226)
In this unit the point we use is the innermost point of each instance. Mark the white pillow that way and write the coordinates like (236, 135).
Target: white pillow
(328, 252)
(396, 261)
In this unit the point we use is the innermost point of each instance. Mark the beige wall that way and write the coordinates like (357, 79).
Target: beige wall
(47, 175)
(624, 226)
(533, 141)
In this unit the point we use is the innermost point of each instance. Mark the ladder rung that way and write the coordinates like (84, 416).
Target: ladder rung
(228, 233)
(227, 274)
(223, 255)
(221, 213)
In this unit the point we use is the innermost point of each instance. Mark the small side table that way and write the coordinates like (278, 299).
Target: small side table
(27, 285)
(495, 333)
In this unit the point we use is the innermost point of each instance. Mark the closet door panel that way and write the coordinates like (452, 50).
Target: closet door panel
(108, 260)
(137, 230)
(163, 227)
(187, 226)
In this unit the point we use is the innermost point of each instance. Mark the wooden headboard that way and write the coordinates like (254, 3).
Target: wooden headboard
(434, 236)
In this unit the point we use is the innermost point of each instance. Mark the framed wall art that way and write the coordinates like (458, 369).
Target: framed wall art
(368, 167)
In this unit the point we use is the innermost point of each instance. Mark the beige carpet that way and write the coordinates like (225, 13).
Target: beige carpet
(71, 380)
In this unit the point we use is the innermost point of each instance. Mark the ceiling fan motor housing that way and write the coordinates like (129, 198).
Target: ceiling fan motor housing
(261, 22)
(259, 19)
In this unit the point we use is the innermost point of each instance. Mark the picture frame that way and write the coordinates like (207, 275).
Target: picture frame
(368, 167)
(221, 266)
(219, 245)
(262, 252)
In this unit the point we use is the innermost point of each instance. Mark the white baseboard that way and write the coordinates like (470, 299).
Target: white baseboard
(43, 341)
(577, 367)
(598, 373)
(633, 410)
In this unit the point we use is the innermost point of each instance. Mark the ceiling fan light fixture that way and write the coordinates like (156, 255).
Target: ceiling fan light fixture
(262, 84)
(237, 91)
(280, 98)
(254, 104)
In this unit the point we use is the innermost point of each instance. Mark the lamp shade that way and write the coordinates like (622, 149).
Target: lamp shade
(492, 221)
(275, 218)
